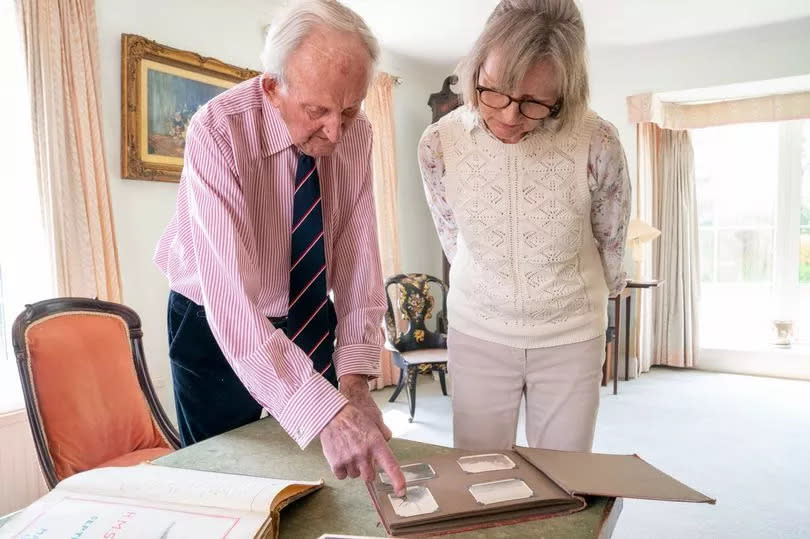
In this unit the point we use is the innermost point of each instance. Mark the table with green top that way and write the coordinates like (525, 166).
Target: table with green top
(344, 507)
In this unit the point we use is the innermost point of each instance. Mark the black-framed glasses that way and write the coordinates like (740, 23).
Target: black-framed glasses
(534, 110)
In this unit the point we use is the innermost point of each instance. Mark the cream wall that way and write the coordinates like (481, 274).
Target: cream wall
(231, 32)
(420, 248)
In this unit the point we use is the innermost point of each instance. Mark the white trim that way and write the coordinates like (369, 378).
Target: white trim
(788, 212)
(14, 417)
(791, 363)
(11, 396)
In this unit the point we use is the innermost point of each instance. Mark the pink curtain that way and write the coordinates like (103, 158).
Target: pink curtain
(379, 108)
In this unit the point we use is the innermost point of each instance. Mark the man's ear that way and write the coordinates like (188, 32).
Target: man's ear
(272, 89)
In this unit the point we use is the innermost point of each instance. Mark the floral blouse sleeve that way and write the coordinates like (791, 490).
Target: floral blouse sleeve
(431, 163)
(609, 184)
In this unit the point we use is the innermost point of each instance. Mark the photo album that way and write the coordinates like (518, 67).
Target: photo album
(465, 490)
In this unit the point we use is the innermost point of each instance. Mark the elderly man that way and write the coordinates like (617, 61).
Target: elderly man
(274, 212)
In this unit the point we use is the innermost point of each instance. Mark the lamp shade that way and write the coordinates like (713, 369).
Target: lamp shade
(639, 232)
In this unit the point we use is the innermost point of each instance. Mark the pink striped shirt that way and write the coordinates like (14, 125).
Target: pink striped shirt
(227, 247)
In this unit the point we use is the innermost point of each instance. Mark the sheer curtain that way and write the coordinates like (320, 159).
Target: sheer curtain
(647, 139)
(676, 307)
(60, 48)
(666, 199)
(379, 108)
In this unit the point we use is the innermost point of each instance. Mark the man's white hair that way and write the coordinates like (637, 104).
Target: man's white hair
(290, 28)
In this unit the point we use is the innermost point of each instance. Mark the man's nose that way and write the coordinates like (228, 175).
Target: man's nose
(333, 128)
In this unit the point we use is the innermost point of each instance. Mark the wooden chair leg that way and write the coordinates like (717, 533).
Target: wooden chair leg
(413, 371)
(606, 364)
(609, 367)
(400, 385)
(442, 382)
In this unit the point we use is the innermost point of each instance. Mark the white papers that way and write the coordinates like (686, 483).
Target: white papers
(485, 463)
(505, 490)
(96, 517)
(412, 473)
(149, 501)
(417, 501)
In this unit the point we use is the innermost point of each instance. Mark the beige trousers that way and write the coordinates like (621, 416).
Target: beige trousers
(489, 380)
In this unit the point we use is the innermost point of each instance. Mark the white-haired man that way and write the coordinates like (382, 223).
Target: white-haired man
(274, 212)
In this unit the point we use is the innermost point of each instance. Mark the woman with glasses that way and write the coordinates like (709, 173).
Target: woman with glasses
(530, 196)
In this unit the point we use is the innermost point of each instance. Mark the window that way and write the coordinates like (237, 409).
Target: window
(5, 346)
(804, 238)
(25, 267)
(753, 196)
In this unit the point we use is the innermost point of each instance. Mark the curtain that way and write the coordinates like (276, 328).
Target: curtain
(647, 140)
(687, 115)
(666, 168)
(379, 108)
(60, 44)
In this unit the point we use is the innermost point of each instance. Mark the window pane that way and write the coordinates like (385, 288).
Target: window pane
(736, 170)
(735, 316)
(804, 255)
(4, 347)
(802, 328)
(805, 218)
(706, 255)
(705, 202)
(744, 256)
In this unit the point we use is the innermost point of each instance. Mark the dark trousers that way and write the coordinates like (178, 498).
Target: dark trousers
(209, 397)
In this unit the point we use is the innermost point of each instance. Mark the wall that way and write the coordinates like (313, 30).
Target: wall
(419, 244)
(23, 481)
(768, 52)
(231, 32)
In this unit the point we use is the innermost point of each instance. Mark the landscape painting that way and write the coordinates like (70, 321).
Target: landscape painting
(161, 89)
(172, 97)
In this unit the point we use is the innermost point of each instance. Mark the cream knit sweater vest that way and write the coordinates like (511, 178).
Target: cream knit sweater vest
(527, 272)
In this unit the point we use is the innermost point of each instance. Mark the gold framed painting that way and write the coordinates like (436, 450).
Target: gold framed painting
(161, 88)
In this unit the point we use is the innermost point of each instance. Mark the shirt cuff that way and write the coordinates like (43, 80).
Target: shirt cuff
(357, 359)
(310, 408)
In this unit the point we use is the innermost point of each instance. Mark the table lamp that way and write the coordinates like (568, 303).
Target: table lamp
(639, 233)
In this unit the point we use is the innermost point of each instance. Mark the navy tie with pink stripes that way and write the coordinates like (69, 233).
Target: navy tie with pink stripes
(309, 323)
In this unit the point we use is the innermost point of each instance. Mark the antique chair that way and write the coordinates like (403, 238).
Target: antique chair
(416, 349)
(88, 395)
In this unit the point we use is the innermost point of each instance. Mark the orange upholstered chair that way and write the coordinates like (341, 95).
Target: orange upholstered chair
(87, 391)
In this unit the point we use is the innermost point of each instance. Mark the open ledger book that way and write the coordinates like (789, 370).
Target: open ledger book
(464, 490)
(151, 501)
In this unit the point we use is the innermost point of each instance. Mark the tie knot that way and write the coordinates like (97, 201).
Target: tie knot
(306, 161)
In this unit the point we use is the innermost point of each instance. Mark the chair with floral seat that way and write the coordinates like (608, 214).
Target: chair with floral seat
(414, 347)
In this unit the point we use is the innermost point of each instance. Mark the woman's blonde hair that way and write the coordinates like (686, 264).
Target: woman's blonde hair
(527, 31)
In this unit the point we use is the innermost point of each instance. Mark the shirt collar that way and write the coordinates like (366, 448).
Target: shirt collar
(275, 135)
